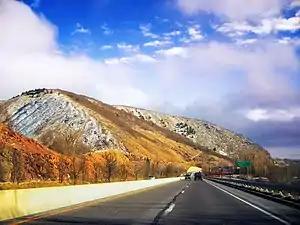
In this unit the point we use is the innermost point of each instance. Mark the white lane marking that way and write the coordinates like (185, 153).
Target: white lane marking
(169, 209)
(248, 203)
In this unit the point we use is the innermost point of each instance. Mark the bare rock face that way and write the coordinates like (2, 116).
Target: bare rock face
(211, 136)
(41, 111)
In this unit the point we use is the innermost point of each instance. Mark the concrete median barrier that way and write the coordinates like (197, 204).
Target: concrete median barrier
(23, 202)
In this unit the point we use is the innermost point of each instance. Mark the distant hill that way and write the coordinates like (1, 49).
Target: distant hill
(210, 136)
(58, 119)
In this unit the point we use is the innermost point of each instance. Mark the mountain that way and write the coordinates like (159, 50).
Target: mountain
(206, 134)
(58, 119)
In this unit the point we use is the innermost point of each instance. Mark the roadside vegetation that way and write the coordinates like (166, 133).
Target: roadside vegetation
(26, 164)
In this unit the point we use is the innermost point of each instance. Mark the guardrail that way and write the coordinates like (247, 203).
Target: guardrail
(284, 194)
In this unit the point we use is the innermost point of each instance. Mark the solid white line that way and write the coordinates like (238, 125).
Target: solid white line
(248, 203)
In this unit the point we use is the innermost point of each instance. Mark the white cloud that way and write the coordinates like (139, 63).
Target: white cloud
(195, 33)
(157, 43)
(30, 58)
(273, 115)
(265, 26)
(185, 40)
(175, 51)
(146, 31)
(128, 48)
(80, 29)
(138, 58)
(285, 40)
(290, 24)
(290, 41)
(106, 47)
(218, 69)
(233, 9)
(295, 3)
(173, 33)
(106, 30)
(144, 58)
(246, 41)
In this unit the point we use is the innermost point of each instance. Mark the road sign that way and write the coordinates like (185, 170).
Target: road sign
(244, 163)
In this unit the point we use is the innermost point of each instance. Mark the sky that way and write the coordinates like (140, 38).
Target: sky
(232, 63)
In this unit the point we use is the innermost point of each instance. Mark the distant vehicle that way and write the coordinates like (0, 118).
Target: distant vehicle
(188, 176)
(198, 176)
(151, 177)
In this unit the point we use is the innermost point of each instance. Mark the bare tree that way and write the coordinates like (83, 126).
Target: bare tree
(169, 170)
(69, 143)
(147, 168)
(110, 165)
(156, 168)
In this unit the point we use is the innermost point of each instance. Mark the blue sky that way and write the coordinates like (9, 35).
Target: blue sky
(111, 22)
(223, 61)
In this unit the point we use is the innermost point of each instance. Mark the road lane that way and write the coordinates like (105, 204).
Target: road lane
(138, 208)
(181, 202)
(202, 203)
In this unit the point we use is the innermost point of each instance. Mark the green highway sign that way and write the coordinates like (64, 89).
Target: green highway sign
(244, 163)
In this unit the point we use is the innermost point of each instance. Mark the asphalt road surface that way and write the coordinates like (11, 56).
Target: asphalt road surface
(182, 202)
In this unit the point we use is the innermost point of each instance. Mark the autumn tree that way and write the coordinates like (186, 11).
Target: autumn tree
(62, 169)
(83, 168)
(2, 171)
(137, 169)
(123, 171)
(18, 170)
(98, 171)
(5, 164)
(110, 164)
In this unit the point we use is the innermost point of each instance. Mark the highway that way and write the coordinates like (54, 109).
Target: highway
(182, 202)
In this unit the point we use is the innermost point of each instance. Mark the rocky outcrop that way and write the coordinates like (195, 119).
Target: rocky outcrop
(206, 134)
(36, 112)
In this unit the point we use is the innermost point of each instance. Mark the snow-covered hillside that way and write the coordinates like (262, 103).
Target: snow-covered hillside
(35, 112)
(206, 134)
